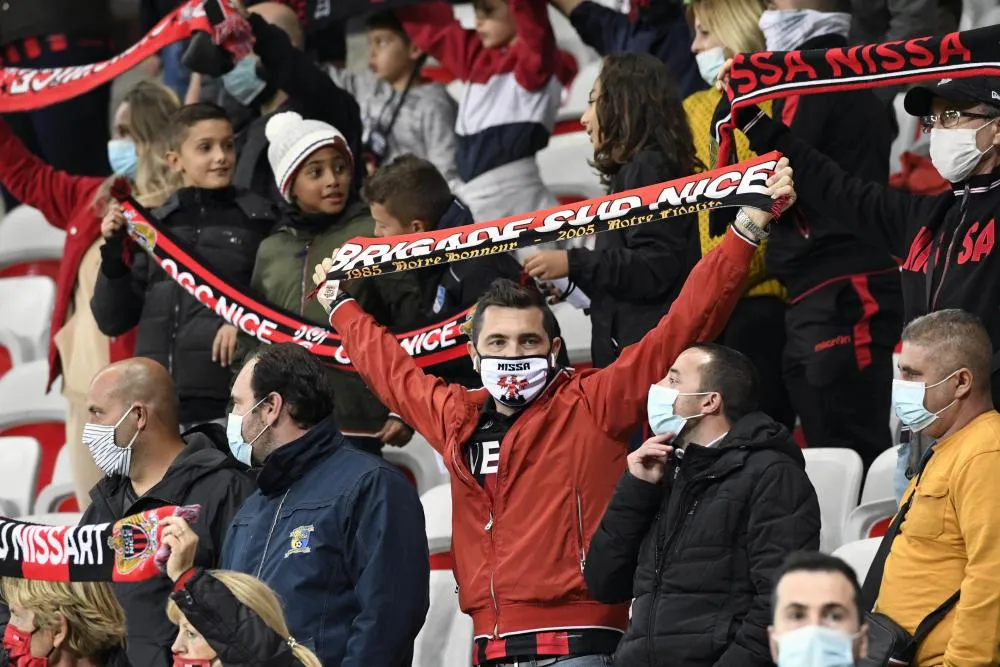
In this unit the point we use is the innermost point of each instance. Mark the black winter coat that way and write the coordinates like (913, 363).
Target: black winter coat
(200, 475)
(633, 275)
(235, 632)
(698, 551)
(223, 228)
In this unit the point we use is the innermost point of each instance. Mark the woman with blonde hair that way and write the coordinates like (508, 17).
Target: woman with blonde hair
(63, 624)
(76, 204)
(723, 28)
(224, 618)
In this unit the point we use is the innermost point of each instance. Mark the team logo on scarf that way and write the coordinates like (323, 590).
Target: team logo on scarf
(134, 541)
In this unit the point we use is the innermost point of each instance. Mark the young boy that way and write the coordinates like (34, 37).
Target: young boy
(217, 222)
(403, 112)
(515, 77)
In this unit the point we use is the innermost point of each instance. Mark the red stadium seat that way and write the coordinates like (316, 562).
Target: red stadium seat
(48, 268)
(51, 436)
(5, 361)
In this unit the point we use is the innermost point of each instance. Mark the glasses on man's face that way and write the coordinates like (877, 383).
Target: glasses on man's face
(948, 119)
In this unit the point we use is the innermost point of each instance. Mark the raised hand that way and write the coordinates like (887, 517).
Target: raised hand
(649, 462)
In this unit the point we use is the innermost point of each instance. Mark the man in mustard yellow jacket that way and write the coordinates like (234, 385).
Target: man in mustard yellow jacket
(950, 538)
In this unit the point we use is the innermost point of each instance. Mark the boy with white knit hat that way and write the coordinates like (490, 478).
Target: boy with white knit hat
(313, 169)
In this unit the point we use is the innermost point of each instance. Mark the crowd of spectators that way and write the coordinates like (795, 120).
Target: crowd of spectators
(650, 509)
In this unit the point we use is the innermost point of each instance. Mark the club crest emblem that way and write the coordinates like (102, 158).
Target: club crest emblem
(141, 232)
(512, 387)
(133, 540)
(299, 540)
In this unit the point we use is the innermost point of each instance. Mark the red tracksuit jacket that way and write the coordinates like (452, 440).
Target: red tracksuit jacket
(519, 559)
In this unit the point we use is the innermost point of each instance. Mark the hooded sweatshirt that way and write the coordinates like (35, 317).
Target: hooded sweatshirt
(707, 540)
(200, 475)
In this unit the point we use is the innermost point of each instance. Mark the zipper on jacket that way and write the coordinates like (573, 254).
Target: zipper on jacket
(305, 276)
(964, 206)
(267, 543)
(493, 592)
(580, 533)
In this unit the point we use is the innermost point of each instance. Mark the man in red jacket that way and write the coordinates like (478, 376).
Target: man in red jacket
(534, 456)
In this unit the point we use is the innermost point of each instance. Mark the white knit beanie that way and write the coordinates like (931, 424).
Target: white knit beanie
(293, 139)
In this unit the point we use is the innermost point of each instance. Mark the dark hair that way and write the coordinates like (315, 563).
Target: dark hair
(296, 375)
(410, 189)
(190, 115)
(958, 340)
(639, 108)
(816, 561)
(733, 375)
(386, 21)
(504, 293)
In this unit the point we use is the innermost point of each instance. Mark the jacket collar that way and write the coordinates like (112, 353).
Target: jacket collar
(292, 461)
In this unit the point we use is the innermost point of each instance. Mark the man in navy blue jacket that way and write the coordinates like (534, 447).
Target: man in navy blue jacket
(337, 533)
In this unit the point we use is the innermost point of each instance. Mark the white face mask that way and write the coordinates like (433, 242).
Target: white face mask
(954, 152)
(710, 62)
(515, 381)
(109, 457)
(240, 448)
(816, 646)
(788, 29)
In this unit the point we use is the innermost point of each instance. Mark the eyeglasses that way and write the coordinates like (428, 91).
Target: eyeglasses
(949, 119)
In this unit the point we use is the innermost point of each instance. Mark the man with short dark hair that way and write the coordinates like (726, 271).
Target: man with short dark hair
(133, 435)
(534, 455)
(337, 533)
(817, 612)
(705, 513)
(949, 539)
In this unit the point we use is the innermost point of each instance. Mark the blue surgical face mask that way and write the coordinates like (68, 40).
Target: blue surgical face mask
(660, 410)
(123, 157)
(242, 81)
(908, 403)
(240, 448)
(710, 61)
(815, 646)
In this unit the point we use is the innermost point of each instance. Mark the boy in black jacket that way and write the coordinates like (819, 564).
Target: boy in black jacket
(218, 223)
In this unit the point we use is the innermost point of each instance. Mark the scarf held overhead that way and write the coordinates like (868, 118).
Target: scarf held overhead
(436, 344)
(757, 77)
(739, 185)
(24, 89)
(131, 549)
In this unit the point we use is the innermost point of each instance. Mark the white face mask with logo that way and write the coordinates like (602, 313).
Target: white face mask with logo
(955, 153)
(515, 381)
(111, 458)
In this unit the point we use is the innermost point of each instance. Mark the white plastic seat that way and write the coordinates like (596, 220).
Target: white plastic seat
(564, 166)
(879, 480)
(835, 473)
(859, 555)
(574, 325)
(23, 399)
(420, 459)
(579, 92)
(19, 460)
(447, 636)
(60, 488)
(437, 518)
(54, 518)
(26, 235)
(867, 515)
(26, 303)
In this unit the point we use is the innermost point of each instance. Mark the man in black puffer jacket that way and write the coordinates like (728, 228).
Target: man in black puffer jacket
(221, 225)
(696, 528)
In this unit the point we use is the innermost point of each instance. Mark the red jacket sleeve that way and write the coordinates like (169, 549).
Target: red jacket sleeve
(425, 402)
(55, 193)
(432, 26)
(535, 46)
(616, 395)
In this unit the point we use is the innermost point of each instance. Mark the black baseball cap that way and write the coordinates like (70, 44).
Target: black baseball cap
(971, 90)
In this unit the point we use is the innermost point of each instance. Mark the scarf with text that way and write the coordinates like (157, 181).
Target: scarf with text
(742, 184)
(22, 89)
(128, 550)
(432, 345)
(757, 77)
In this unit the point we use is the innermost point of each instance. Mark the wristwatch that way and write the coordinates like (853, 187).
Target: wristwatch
(748, 228)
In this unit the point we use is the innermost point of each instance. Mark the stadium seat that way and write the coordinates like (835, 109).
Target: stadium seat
(19, 461)
(27, 304)
(565, 168)
(879, 481)
(575, 102)
(859, 555)
(54, 518)
(29, 245)
(437, 518)
(869, 519)
(576, 332)
(419, 462)
(59, 495)
(835, 473)
(25, 409)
